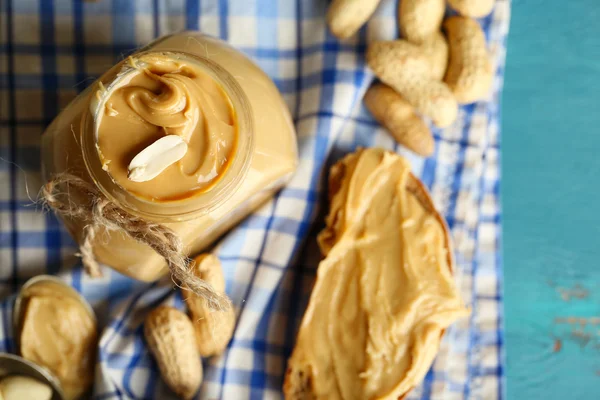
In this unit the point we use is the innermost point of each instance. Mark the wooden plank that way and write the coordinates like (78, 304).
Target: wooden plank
(551, 170)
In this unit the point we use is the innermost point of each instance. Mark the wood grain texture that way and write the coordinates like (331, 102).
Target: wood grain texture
(551, 200)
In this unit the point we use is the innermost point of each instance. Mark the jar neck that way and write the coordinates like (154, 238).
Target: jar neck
(198, 204)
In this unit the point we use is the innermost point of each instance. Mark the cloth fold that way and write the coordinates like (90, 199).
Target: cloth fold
(48, 52)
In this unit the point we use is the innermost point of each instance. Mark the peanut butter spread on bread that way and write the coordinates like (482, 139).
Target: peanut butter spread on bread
(384, 294)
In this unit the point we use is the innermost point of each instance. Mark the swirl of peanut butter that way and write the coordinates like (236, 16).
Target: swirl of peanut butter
(158, 94)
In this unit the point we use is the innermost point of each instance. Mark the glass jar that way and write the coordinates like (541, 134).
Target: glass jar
(266, 157)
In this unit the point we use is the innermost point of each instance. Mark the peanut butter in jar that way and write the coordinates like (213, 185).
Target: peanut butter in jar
(188, 133)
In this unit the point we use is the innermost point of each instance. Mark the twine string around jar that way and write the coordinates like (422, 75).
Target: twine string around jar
(98, 212)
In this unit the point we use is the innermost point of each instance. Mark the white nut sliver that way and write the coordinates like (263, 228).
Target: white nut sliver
(154, 159)
(17, 387)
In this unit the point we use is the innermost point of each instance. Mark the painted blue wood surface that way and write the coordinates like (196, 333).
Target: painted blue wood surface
(551, 198)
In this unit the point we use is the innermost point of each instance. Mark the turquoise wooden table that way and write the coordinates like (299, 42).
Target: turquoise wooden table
(551, 198)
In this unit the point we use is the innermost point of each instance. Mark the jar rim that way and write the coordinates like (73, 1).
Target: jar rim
(198, 204)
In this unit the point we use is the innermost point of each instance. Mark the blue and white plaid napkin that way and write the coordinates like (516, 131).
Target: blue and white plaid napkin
(51, 50)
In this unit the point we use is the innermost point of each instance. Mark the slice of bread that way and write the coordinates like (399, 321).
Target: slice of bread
(298, 384)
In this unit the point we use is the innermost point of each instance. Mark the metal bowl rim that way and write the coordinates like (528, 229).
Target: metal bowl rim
(48, 376)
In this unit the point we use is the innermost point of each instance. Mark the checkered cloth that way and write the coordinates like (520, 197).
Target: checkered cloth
(51, 50)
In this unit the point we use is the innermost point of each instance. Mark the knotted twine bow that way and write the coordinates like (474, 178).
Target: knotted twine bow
(97, 212)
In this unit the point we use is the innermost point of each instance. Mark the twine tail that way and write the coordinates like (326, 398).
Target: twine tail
(169, 245)
(97, 211)
(215, 300)
(86, 252)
